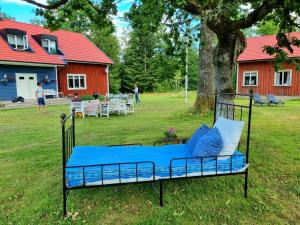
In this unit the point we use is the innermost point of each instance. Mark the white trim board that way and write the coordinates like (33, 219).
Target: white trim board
(27, 64)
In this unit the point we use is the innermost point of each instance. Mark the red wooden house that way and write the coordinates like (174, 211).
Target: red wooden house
(62, 61)
(255, 70)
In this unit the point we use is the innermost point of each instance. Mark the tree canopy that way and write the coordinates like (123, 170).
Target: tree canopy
(226, 19)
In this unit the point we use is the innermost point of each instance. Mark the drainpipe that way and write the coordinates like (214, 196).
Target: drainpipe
(107, 78)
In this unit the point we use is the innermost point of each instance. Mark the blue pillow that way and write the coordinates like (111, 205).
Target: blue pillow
(209, 144)
(196, 135)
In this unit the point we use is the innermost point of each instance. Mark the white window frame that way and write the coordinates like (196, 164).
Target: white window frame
(283, 85)
(73, 75)
(250, 85)
(25, 41)
(49, 41)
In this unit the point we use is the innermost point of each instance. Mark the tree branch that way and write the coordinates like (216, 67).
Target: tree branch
(258, 14)
(192, 7)
(53, 5)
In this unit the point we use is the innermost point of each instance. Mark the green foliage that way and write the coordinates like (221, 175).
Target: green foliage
(80, 11)
(138, 57)
(86, 97)
(267, 28)
(178, 80)
(154, 52)
(164, 86)
(109, 44)
(101, 98)
(278, 50)
(90, 97)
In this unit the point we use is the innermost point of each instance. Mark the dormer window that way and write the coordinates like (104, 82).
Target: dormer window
(49, 45)
(18, 42)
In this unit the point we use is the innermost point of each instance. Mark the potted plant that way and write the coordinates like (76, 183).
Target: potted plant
(170, 134)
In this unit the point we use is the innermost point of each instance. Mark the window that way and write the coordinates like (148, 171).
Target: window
(49, 45)
(283, 78)
(18, 41)
(250, 78)
(76, 81)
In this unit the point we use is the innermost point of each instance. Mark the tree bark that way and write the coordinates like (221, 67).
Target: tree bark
(205, 93)
(229, 47)
(230, 44)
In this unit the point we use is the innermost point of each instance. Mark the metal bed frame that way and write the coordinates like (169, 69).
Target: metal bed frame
(225, 109)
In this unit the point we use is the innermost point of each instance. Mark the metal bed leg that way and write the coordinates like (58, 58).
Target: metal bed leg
(65, 202)
(161, 193)
(246, 184)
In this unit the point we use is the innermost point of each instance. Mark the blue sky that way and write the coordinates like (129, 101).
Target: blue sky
(24, 12)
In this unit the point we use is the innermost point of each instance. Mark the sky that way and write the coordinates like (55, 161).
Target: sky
(24, 12)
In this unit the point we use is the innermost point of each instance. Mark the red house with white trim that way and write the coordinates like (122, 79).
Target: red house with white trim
(255, 70)
(62, 61)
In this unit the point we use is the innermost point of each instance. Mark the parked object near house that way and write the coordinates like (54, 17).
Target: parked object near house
(80, 108)
(256, 70)
(258, 100)
(117, 106)
(130, 105)
(92, 109)
(50, 93)
(272, 100)
(63, 62)
(104, 109)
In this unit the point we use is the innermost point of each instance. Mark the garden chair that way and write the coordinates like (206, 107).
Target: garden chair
(130, 106)
(117, 106)
(258, 100)
(272, 100)
(79, 108)
(92, 108)
(104, 109)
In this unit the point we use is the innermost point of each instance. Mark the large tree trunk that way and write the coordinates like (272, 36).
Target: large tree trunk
(205, 93)
(230, 44)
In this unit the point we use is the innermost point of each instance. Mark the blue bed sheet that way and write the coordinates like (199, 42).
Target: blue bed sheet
(83, 166)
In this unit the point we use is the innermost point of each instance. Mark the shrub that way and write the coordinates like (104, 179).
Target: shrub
(86, 97)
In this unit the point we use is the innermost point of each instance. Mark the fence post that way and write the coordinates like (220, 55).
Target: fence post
(63, 122)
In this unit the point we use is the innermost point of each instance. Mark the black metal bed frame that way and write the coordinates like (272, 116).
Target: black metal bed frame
(68, 143)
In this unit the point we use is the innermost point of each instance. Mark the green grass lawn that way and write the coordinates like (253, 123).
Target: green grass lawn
(31, 173)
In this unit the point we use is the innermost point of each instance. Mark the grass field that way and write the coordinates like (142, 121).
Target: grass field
(30, 170)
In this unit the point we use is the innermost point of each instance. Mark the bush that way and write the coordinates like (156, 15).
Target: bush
(101, 98)
(86, 97)
(90, 97)
(164, 86)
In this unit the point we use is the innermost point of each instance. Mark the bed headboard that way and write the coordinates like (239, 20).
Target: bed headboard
(68, 135)
(236, 107)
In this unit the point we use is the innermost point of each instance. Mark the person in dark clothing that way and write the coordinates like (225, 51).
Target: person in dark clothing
(76, 98)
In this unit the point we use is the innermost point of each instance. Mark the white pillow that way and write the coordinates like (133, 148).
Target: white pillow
(231, 131)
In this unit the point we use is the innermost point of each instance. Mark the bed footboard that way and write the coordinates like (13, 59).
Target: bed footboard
(110, 174)
(214, 165)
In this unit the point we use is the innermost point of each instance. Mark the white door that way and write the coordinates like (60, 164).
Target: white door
(26, 85)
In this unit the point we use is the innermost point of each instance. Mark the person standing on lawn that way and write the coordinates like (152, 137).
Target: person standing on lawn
(136, 94)
(40, 96)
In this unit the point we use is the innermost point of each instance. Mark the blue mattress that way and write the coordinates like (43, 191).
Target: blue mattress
(83, 168)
